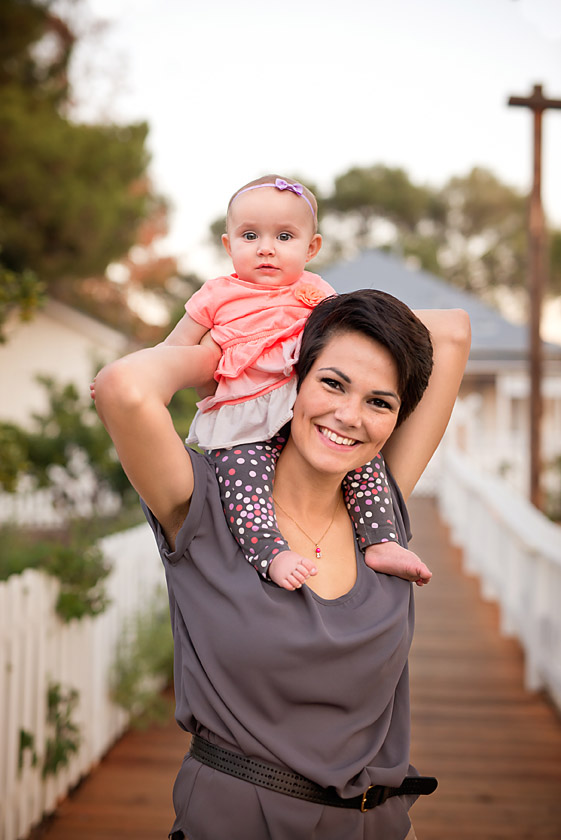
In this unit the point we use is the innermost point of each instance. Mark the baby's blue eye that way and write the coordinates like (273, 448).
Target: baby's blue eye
(249, 236)
(285, 237)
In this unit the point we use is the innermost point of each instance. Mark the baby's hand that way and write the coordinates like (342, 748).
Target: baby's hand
(290, 570)
(390, 558)
(92, 390)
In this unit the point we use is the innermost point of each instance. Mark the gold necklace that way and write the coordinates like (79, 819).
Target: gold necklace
(315, 542)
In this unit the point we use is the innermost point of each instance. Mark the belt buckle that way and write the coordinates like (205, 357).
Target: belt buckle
(363, 807)
(379, 799)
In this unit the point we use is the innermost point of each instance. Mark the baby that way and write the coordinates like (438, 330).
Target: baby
(257, 316)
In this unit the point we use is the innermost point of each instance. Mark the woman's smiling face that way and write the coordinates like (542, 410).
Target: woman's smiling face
(348, 404)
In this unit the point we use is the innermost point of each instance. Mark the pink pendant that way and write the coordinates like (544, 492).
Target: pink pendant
(318, 552)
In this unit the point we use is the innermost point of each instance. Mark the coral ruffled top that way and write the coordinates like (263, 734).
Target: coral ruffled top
(258, 328)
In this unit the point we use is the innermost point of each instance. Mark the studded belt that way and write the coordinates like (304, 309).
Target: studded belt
(292, 784)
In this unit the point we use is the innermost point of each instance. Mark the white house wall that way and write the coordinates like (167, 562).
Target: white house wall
(58, 342)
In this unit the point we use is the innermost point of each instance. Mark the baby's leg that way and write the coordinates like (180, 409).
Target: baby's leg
(369, 501)
(245, 477)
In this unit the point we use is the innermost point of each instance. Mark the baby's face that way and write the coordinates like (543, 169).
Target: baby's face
(270, 236)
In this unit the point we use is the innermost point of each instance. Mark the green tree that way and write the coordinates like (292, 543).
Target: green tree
(379, 206)
(485, 236)
(23, 26)
(72, 197)
(381, 191)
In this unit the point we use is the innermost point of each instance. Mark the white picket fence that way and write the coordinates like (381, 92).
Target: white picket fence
(516, 553)
(37, 649)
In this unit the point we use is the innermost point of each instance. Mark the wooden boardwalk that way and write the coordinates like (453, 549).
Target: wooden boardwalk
(495, 748)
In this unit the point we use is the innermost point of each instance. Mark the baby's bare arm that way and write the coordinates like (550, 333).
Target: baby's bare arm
(186, 333)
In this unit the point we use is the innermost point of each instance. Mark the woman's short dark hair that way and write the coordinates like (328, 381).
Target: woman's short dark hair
(384, 319)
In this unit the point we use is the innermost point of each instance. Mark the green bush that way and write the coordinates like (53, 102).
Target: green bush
(78, 565)
(144, 661)
(64, 735)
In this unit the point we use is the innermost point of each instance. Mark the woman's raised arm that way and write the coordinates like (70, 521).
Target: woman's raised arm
(412, 445)
(131, 397)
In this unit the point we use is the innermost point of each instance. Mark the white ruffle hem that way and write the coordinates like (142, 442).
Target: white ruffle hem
(250, 421)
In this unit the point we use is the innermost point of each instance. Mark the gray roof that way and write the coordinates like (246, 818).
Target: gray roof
(493, 337)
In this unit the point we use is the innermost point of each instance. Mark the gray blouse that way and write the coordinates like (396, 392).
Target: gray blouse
(318, 686)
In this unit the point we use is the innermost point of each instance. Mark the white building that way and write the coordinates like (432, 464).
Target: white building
(69, 347)
(58, 342)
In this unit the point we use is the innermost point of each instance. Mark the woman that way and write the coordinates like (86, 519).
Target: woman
(312, 683)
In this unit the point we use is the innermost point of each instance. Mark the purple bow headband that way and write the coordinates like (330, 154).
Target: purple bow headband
(281, 184)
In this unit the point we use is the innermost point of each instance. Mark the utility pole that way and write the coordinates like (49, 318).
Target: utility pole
(537, 103)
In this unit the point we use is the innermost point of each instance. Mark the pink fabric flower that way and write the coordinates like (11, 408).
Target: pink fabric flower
(309, 295)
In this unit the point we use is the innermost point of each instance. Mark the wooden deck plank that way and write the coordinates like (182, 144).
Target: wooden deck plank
(495, 748)
(128, 795)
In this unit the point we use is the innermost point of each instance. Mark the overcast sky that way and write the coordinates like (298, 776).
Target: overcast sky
(233, 89)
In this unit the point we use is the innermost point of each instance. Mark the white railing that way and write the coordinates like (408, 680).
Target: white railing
(500, 450)
(37, 649)
(516, 552)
